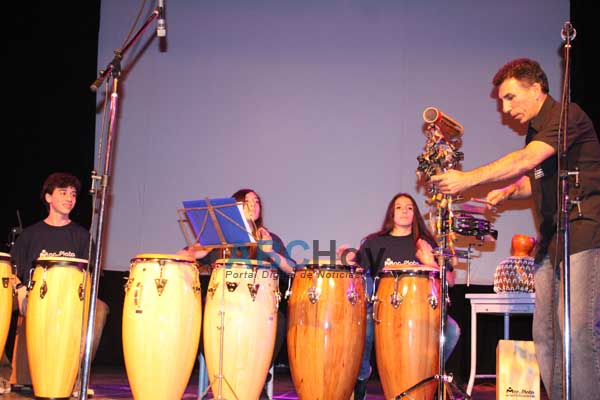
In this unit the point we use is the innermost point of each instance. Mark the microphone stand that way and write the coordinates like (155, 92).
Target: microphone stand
(114, 70)
(568, 33)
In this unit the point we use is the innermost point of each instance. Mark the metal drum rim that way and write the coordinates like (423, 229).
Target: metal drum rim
(162, 256)
(50, 261)
(242, 263)
(328, 267)
(408, 272)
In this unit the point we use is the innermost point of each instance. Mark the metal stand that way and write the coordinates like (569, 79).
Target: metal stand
(568, 33)
(114, 70)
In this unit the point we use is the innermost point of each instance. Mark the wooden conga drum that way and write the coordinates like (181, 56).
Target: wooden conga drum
(326, 331)
(6, 297)
(162, 317)
(56, 302)
(406, 315)
(240, 321)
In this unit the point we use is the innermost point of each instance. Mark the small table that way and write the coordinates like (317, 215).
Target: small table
(495, 303)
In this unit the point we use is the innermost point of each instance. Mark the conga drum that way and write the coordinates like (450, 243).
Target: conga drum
(162, 317)
(240, 321)
(406, 314)
(58, 297)
(6, 297)
(326, 330)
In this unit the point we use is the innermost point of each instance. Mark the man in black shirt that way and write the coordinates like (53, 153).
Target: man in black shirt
(523, 90)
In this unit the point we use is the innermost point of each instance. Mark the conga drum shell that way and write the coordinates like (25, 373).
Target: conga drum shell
(241, 305)
(161, 324)
(407, 331)
(326, 331)
(6, 297)
(55, 312)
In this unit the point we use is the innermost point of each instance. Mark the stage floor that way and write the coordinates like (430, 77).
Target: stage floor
(111, 383)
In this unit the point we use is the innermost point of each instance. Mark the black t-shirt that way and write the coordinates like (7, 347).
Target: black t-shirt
(376, 252)
(43, 240)
(583, 152)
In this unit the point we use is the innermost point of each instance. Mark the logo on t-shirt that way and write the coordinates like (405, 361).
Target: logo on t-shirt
(538, 173)
(390, 263)
(61, 253)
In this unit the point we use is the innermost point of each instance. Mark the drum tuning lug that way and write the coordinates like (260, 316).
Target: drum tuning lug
(313, 294)
(43, 290)
(352, 296)
(231, 286)
(287, 295)
(128, 283)
(30, 285)
(160, 285)
(396, 300)
(253, 290)
(278, 298)
(433, 301)
(211, 291)
(81, 292)
(137, 297)
(5, 282)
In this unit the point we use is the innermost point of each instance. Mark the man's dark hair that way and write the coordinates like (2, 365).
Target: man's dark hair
(59, 180)
(524, 70)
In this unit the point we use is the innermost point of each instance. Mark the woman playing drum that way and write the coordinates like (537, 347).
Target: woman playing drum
(270, 249)
(403, 242)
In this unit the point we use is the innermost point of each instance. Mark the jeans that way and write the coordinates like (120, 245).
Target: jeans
(585, 325)
(452, 334)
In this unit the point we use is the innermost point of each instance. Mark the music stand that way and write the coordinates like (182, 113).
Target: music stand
(216, 224)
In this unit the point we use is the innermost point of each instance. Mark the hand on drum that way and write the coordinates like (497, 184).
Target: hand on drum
(425, 253)
(195, 251)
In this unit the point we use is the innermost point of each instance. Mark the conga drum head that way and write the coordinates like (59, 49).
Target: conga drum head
(409, 269)
(242, 262)
(159, 256)
(48, 261)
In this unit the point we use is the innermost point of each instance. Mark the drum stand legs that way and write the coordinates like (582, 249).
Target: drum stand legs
(446, 384)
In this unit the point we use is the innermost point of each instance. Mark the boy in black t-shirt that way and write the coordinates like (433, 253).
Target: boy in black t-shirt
(55, 236)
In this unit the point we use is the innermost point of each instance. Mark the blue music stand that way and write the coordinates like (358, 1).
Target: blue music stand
(217, 223)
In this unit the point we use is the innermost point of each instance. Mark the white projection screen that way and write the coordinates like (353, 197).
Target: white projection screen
(317, 105)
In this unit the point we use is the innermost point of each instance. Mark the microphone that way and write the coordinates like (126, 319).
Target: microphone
(161, 27)
(568, 31)
(450, 127)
